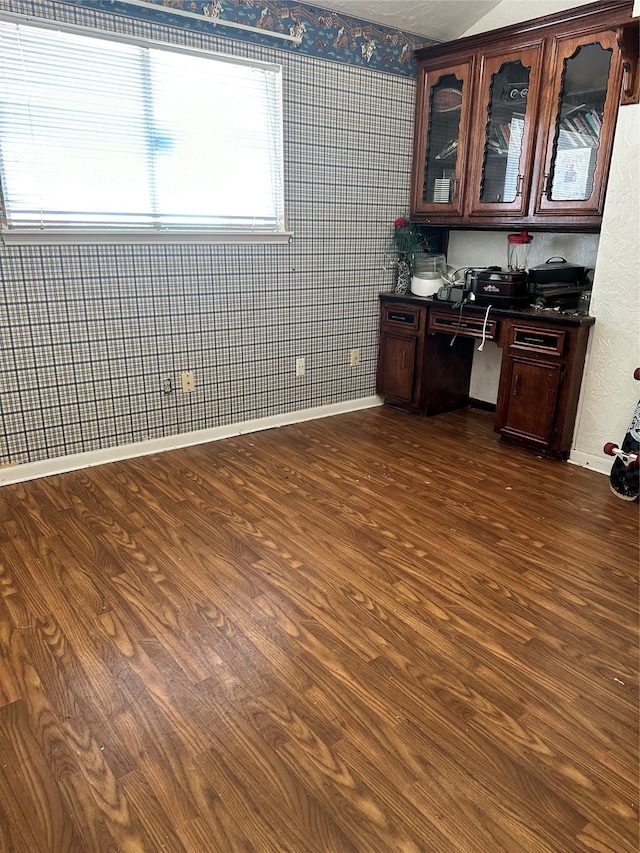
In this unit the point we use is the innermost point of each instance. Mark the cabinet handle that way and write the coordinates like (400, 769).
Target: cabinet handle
(519, 184)
(455, 189)
(403, 360)
(545, 185)
(627, 39)
(516, 382)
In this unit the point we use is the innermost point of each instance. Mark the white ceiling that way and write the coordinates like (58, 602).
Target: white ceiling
(441, 20)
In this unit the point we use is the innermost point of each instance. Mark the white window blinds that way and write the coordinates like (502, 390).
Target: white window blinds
(102, 135)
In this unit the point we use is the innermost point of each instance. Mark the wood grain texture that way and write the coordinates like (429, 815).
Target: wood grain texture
(368, 633)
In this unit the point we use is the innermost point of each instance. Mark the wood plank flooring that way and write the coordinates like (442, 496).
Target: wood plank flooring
(372, 632)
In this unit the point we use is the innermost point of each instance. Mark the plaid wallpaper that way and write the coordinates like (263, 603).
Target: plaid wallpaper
(89, 334)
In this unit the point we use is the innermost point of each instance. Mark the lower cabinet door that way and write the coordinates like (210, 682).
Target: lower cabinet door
(396, 367)
(528, 400)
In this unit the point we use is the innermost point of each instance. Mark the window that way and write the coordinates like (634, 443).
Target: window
(104, 135)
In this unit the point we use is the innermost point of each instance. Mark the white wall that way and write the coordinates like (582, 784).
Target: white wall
(609, 392)
(514, 11)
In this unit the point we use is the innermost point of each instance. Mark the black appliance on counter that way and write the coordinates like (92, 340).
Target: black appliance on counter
(557, 284)
(487, 286)
(502, 288)
(554, 284)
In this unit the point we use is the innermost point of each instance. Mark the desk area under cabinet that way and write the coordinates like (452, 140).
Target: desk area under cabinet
(543, 353)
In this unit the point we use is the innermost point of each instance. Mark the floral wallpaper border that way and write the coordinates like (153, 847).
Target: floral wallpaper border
(324, 34)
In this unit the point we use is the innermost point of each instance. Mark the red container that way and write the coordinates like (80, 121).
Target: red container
(518, 254)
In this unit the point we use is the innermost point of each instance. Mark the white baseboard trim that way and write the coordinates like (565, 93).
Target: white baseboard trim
(601, 464)
(62, 464)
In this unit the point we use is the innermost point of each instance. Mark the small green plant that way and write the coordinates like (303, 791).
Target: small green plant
(407, 238)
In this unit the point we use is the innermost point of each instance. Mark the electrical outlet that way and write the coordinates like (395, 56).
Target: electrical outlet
(301, 364)
(355, 358)
(167, 386)
(188, 382)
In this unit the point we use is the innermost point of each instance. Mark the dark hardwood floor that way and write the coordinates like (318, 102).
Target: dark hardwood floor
(372, 632)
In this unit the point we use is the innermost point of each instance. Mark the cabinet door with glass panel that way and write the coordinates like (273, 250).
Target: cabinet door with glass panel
(580, 121)
(504, 132)
(441, 135)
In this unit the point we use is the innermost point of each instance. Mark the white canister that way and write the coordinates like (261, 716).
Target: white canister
(428, 269)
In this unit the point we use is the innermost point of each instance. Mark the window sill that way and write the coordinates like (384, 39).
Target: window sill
(56, 238)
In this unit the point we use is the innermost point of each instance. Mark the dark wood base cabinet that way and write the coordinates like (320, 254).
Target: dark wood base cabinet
(540, 380)
(426, 354)
(415, 372)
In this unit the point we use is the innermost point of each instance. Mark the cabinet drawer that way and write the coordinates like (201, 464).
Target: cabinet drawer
(538, 340)
(401, 317)
(468, 327)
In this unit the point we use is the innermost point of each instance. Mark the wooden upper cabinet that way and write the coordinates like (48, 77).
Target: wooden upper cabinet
(515, 127)
(441, 139)
(504, 135)
(579, 124)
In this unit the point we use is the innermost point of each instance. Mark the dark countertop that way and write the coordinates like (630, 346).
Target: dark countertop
(546, 315)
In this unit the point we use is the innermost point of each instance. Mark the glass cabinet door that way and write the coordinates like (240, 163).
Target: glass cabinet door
(574, 176)
(502, 170)
(441, 140)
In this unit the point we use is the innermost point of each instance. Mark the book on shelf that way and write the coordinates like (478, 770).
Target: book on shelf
(581, 119)
(571, 124)
(499, 134)
(580, 128)
(592, 124)
(494, 145)
(581, 131)
(596, 116)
